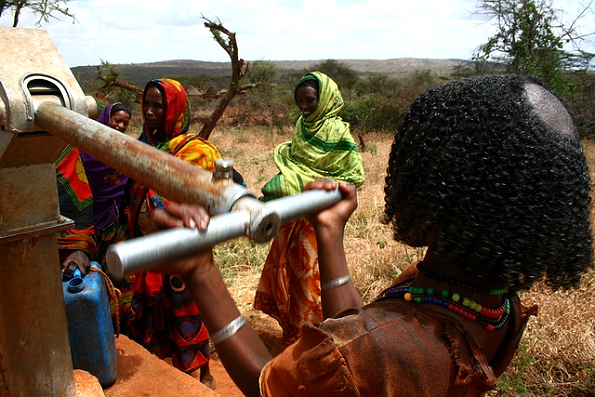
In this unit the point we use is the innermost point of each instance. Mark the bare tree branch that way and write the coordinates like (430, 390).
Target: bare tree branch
(227, 40)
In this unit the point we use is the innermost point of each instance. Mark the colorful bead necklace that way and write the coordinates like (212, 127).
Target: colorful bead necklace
(492, 319)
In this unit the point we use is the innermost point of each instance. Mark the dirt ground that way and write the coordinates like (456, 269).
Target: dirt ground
(224, 386)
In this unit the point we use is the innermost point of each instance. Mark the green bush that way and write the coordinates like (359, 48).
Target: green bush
(373, 112)
(583, 102)
(377, 103)
(373, 103)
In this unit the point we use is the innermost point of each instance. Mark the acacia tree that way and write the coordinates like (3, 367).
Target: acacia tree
(529, 40)
(44, 9)
(344, 76)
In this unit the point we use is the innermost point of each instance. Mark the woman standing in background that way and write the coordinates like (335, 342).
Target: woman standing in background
(321, 147)
(166, 320)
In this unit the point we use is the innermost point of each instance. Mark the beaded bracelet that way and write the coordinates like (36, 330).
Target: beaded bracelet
(228, 331)
(337, 282)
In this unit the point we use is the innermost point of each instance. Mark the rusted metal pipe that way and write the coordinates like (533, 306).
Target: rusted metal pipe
(170, 176)
(234, 209)
(145, 252)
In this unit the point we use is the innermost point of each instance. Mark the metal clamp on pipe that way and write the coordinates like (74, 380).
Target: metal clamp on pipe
(249, 217)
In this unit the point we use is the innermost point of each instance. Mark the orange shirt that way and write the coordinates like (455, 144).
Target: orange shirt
(390, 348)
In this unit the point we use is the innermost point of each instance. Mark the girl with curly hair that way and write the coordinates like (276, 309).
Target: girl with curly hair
(489, 174)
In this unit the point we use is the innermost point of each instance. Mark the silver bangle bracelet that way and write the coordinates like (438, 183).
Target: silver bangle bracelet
(228, 331)
(337, 282)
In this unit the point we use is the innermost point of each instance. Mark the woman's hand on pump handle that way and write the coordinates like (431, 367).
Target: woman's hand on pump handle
(183, 215)
(336, 216)
(330, 221)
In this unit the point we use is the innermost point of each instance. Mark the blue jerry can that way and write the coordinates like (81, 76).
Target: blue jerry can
(90, 329)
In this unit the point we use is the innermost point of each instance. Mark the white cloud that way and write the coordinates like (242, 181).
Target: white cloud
(137, 31)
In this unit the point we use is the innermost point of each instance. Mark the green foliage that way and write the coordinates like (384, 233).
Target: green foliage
(44, 9)
(526, 42)
(423, 80)
(202, 81)
(265, 72)
(128, 99)
(106, 93)
(271, 104)
(583, 100)
(362, 102)
(372, 112)
(344, 76)
(376, 84)
(529, 41)
(379, 102)
(375, 103)
(463, 71)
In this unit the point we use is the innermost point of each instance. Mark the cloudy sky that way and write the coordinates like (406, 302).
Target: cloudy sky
(139, 31)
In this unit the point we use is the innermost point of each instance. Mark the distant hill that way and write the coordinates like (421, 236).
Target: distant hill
(398, 67)
(140, 73)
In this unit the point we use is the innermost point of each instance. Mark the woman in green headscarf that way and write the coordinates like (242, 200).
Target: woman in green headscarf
(321, 147)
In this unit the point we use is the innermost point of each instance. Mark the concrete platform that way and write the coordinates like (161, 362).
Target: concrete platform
(140, 373)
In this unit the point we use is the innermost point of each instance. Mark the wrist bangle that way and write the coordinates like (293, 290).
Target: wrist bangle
(228, 331)
(337, 282)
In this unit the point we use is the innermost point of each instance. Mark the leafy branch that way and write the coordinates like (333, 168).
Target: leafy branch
(112, 79)
(45, 9)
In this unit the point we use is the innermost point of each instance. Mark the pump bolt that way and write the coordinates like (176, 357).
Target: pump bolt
(223, 169)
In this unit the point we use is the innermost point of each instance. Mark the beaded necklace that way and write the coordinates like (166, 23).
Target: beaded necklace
(491, 319)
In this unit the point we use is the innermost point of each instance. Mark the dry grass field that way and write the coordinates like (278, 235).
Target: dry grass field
(557, 353)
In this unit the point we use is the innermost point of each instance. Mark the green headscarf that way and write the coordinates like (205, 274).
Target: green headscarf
(321, 146)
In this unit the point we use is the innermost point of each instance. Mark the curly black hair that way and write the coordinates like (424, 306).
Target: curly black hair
(499, 184)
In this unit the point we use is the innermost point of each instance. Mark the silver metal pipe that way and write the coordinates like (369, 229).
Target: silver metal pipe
(249, 214)
(292, 207)
(147, 251)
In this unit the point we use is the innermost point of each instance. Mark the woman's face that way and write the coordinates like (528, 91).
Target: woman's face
(306, 99)
(119, 121)
(154, 109)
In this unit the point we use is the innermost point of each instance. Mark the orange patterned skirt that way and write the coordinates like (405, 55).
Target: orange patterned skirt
(289, 287)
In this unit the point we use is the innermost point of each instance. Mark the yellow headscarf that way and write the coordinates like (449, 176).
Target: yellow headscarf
(321, 146)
